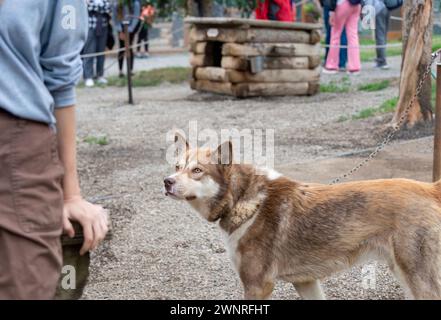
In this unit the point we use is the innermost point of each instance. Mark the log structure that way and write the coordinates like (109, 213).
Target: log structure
(246, 58)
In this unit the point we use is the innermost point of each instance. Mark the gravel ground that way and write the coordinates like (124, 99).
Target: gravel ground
(161, 249)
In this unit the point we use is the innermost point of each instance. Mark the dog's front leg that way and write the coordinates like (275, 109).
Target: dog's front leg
(311, 290)
(258, 291)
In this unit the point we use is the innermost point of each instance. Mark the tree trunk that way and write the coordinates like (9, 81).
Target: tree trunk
(417, 48)
(200, 8)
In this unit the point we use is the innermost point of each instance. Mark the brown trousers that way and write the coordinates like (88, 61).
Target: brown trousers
(31, 204)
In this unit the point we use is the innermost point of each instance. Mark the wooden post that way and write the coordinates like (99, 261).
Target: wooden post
(437, 136)
(129, 59)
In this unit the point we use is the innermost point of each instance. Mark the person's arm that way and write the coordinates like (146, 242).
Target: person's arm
(92, 218)
(62, 40)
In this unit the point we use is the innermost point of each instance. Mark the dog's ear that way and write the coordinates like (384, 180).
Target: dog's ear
(181, 143)
(224, 154)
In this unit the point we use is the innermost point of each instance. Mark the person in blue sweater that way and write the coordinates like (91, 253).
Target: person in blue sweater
(130, 11)
(40, 194)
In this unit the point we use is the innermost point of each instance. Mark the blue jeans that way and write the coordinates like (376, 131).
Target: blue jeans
(95, 43)
(343, 42)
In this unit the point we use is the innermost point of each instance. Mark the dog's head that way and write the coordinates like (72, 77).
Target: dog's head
(200, 173)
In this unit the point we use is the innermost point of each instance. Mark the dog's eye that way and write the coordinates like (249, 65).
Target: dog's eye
(197, 170)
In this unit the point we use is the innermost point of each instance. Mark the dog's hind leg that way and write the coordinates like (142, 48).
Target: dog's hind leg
(311, 290)
(418, 256)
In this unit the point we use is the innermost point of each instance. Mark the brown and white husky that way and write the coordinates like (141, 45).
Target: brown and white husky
(277, 228)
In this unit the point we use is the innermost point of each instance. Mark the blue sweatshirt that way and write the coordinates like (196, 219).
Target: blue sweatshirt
(40, 64)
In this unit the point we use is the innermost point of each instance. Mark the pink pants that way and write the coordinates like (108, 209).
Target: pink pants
(346, 16)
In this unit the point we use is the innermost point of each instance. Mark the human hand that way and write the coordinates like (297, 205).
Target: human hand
(93, 219)
(331, 19)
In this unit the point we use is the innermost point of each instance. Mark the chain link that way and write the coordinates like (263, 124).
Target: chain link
(396, 127)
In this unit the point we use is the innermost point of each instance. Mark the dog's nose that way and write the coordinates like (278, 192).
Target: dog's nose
(168, 182)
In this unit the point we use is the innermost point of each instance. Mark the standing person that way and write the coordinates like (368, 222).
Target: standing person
(39, 188)
(99, 17)
(382, 18)
(147, 16)
(129, 10)
(326, 5)
(344, 13)
(278, 10)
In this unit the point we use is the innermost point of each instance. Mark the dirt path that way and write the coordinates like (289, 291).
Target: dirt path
(162, 249)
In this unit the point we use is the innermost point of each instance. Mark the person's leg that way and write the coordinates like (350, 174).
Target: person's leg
(340, 17)
(132, 60)
(140, 39)
(121, 56)
(343, 51)
(100, 60)
(146, 39)
(89, 47)
(328, 30)
(354, 63)
(381, 29)
(31, 206)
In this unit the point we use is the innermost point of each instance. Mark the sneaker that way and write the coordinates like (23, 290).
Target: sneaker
(89, 83)
(341, 69)
(145, 55)
(382, 66)
(354, 73)
(102, 80)
(329, 71)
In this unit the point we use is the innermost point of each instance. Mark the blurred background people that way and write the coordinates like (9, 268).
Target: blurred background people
(129, 10)
(343, 58)
(382, 18)
(99, 17)
(344, 14)
(279, 10)
(146, 21)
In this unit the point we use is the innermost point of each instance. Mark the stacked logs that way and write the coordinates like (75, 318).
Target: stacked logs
(222, 53)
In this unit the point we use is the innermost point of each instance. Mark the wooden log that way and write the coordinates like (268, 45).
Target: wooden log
(242, 64)
(213, 86)
(271, 49)
(249, 23)
(243, 90)
(200, 48)
(314, 61)
(270, 89)
(212, 74)
(283, 75)
(314, 87)
(200, 60)
(254, 35)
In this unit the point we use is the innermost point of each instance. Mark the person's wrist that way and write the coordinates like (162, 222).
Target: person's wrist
(72, 198)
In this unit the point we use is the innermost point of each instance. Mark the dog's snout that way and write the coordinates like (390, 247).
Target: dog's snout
(168, 182)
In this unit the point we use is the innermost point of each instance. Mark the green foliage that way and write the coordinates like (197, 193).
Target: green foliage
(386, 107)
(342, 86)
(374, 86)
(102, 141)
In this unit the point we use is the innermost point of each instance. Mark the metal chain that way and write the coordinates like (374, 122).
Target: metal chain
(396, 127)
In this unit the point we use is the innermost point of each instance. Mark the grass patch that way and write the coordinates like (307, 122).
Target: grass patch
(374, 86)
(154, 77)
(102, 141)
(342, 86)
(386, 107)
